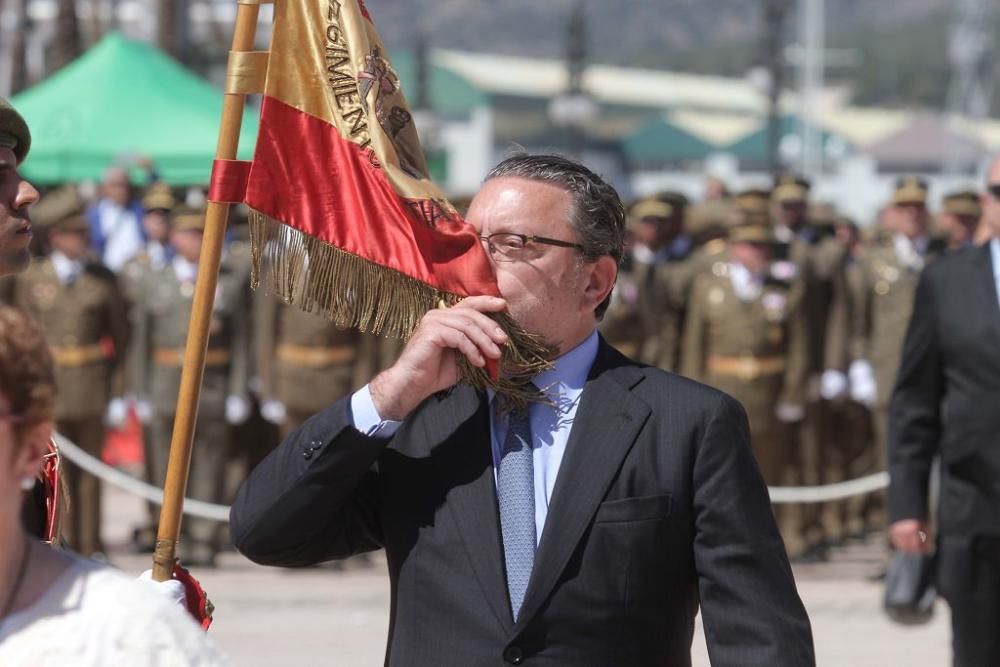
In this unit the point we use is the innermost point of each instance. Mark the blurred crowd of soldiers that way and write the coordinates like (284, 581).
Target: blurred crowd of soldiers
(794, 310)
(112, 284)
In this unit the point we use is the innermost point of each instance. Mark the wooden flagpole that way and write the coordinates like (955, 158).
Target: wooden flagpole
(201, 316)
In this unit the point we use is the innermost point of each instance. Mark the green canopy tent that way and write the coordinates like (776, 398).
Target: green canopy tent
(120, 100)
(659, 143)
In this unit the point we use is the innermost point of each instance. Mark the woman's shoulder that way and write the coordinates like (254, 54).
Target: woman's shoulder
(104, 616)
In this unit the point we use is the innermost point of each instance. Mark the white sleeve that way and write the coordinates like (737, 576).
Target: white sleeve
(366, 418)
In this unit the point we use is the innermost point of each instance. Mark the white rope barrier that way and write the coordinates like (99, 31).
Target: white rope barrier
(136, 487)
(205, 510)
(828, 492)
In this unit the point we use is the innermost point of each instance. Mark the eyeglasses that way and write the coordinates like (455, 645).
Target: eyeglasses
(994, 190)
(508, 246)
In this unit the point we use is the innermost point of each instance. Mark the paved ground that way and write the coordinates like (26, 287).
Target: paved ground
(317, 616)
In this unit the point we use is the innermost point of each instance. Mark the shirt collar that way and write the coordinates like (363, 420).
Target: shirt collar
(570, 371)
(186, 271)
(995, 252)
(66, 269)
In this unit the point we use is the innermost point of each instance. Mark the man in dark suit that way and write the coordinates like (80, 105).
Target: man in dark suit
(946, 404)
(582, 532)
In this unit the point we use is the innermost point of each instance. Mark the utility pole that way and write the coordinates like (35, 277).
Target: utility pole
(970, 51)
(19, 47)
(576, 57)
(811, 20)
(66, 44)
(775, 12)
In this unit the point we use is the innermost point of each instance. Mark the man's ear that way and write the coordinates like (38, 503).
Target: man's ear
(601, 281)
(36, 446)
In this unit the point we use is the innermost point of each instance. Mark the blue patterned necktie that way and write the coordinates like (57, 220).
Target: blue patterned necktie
(516, 496)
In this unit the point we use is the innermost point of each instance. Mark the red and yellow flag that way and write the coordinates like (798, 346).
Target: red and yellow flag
(345, 219)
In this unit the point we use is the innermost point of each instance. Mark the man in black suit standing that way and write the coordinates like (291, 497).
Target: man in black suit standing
(947, 403)
(582, 532)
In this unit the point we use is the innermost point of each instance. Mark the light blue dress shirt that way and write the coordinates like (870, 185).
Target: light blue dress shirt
(995, 253)
(550, 424)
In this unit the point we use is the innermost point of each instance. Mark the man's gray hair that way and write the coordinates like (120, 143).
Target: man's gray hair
(598, 214)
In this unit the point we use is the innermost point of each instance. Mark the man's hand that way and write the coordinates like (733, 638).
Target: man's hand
(910, 535)
(428, 363)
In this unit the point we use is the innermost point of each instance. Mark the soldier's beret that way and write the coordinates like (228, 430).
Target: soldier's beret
(14, 133)
(963, 202)
(910, 190)
(791, 188)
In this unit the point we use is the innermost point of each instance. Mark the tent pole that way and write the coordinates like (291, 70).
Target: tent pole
(193, 370)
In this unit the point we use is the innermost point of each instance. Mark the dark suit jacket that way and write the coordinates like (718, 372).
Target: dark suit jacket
(658, 506)
(947, 398)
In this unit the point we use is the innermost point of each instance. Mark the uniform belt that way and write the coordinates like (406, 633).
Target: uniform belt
(77, 355)
(746, 368)
(174, 356)
(304, 355)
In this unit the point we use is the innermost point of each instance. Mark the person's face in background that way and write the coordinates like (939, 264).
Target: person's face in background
(74, 245)
(960, 228)
(991, 202)
(16, 195)
(910, 220)
(755, 257)
(715, 189)
(115, 186)
(156, 225)
(792, 214)
(187, 243)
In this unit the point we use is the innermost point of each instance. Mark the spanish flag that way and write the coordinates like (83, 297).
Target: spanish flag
(344, 217)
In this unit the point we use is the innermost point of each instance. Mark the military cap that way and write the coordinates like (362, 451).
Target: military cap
(57, 205)
(753, 230)
(963, 202)
(186, 218)
(159, 197)
(754, 201)
(651, 208)
(76, 222)
(910, 190)
(14, 133)
(791, 188)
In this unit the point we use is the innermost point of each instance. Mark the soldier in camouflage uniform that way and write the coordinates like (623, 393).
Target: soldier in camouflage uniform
(743, 336)
(885, 283)
(163, 311)
(79, 304)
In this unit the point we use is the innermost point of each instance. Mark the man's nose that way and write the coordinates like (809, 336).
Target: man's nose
(26, 195)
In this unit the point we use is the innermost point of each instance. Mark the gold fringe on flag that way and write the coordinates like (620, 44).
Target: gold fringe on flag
(354, 292)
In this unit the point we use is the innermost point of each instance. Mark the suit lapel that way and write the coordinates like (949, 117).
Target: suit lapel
(464, 461)
(607, 422)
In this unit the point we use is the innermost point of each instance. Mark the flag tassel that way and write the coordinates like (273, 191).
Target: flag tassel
(352, 291)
